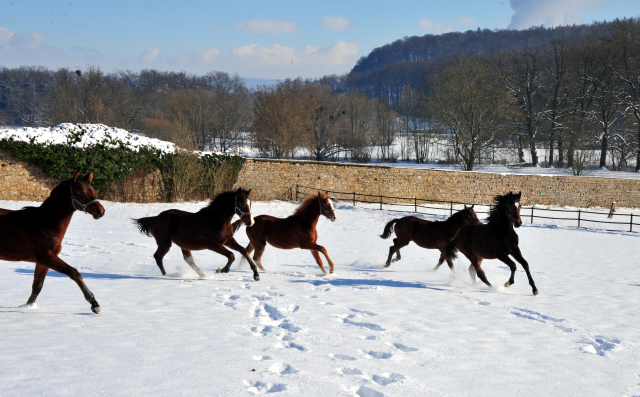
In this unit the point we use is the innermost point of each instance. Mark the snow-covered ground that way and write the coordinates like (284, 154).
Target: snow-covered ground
(364, 331)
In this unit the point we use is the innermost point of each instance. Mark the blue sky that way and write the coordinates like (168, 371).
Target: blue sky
(257, 39)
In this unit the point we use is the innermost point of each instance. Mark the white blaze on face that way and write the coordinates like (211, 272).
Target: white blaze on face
(331, 208)
(250, 214)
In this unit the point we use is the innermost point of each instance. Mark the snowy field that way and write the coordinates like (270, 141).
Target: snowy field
(364, 331)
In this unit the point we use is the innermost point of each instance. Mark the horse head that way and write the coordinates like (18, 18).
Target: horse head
(469, 215)
(83, 197)
(243, 206)
(326, 206)
(513, 208)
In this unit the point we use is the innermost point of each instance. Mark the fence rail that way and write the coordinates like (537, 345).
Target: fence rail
(575, 218)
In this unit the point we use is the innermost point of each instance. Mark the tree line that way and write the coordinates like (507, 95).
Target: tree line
(559, 99)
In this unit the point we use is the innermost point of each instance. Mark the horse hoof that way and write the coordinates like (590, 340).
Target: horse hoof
(386, 266)
(332, 271)
(95, 309)
(202, 275)
(507, 284)
(219, 270)
(256, 278)
(535, 292)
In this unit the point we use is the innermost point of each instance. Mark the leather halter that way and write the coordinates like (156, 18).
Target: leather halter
(75, 201)
(239, 212)
(322, 210)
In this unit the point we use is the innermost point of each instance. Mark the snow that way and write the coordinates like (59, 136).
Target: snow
(364, 331)
(85, 135)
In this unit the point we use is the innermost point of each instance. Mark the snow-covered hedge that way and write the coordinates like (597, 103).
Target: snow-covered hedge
(112, 153)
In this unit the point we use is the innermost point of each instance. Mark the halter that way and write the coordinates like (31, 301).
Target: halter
(322, 210)
(239, 211)
(75, 201)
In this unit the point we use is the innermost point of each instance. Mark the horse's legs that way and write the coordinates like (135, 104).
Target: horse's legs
(472, 272)
(317, 247)
(233, 244)
(257, 256)
(316, 256)
(164, 244)
(186, 254)
(38, 280)
(220, 249)
(512, 266)
(479, 271)
(441, 261)
(53, 262)
(395, 248)
(518, 256)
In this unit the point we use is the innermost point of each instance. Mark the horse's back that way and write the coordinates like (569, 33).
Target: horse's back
(283, 233)
(5, 211)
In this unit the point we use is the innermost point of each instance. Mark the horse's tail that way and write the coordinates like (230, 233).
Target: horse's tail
(237, 225)
(451, 251)
(388, 229)
(144, 224)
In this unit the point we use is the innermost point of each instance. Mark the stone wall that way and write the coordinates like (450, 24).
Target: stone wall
(21, 181)
(277, 179)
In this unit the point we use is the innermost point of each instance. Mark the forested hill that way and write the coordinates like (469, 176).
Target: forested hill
(474, 42)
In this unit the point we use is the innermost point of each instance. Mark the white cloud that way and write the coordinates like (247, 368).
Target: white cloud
(551, 12)
(268, 26)
(150, 54)
(335, 23)
(206, 56)
(18, 49)
(340, 53)
(435, 26)
(217, 29)
(466, 20)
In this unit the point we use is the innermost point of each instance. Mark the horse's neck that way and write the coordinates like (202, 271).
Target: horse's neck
(57, 210)
(455, 222)
(310, 215)
(503, 225)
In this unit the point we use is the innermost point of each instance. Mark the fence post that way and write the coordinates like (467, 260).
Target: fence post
(296, 192)
(578, 217)
(380, 202)
(415, 204)
(354, 199)
(631, 223)
(532, 213)
(451, 209)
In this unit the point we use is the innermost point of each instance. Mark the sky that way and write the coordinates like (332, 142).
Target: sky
(273, 39)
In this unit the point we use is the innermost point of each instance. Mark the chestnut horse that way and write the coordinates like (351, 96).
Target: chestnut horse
(427, 234)
(34, 234)
(494, 240)
(210, 228)
(295, 231)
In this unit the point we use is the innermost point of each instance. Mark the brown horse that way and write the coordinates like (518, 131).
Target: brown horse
(34, 234)
(210, 228)
(295, 231)
(427, 234)
(494, 240)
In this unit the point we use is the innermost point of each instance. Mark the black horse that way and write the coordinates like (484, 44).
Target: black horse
(210, 228)
(494, 240)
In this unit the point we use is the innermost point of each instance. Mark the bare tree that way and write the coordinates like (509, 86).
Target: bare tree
(469, 103)
(326, 121)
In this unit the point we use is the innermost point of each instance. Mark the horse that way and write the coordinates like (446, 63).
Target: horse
(426, 234)
(496, 239)
(295, 231)
(210, 228)
(34, 234)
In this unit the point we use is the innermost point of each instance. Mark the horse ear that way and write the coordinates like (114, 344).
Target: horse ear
(472, 205)
(89, 177)
(248, 192)
(465, 207)
(77, 176)
(519, 195)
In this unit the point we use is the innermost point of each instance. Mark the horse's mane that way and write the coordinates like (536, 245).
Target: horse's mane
(220, 200)
(306, 203)
(497, 211)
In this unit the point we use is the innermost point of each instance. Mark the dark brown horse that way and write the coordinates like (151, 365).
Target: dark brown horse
(494, 240)
(34, 234)
(427, 234)
(210, 228)
(295, 231)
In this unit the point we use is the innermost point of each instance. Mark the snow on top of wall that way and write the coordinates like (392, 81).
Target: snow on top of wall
(84, 135)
